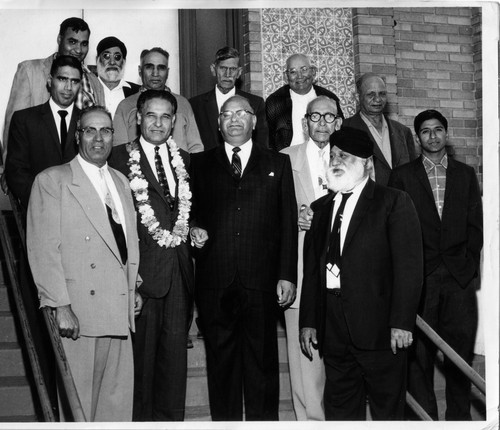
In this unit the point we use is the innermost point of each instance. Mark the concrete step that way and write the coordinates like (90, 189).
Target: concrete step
(11, 360)
(16, 402)
(197, 390)
(4, 297)
(7, 327)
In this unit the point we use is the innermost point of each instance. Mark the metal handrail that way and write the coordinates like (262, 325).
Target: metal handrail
(62, 364)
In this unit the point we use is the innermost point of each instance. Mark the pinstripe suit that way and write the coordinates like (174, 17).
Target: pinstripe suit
(252, 228)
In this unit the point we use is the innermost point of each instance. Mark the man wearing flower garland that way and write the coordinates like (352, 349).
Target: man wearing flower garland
(156, 168)
(245, 226)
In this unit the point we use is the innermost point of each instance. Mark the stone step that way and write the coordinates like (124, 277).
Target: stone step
(202, 413)
(16, 399)
(197, 390)
(4, 297)
(7, 327)
(196, 355)
(11, 360)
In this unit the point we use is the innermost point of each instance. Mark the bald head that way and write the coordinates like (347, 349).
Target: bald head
(299, 73)
(372, 94)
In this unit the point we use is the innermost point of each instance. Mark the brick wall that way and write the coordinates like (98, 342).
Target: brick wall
(430, 59)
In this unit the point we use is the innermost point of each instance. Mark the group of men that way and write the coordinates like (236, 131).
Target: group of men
(281, 204)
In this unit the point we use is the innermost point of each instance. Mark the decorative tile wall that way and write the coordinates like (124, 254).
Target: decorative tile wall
(325, 34)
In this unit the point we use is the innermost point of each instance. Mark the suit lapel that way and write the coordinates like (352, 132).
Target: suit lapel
(394, 139)
(221, 157)
(71, 147)
(452, 178)
(421, 175)
(212, 112)
(362, 206)
(50, 124)
(85, 193)
(377, 152)
(301, 166)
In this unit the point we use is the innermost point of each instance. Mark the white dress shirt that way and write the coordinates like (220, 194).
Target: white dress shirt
(333, 281)
(149, 150)
(221, 97)
(115, 96)
(57, 118)
(299, 109)
(246, 150)
(382, 139)
(93, 173)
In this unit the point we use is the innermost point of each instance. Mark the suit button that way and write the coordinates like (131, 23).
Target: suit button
(239, 188)
(237, 234)
(92, 292)
(87, 238)
(92, 265)
(238, 209)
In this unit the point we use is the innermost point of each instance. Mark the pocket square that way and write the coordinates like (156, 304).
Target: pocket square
(271, 174)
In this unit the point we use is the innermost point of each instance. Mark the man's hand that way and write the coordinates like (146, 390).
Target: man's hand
(198, 236)
(286, 293)
(305, 217)
(400, 339)
(138, 304)
(307, 337)
(67, 322)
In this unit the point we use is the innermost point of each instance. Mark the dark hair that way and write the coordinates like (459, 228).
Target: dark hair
(76, 24)
(65, 60)
(94, 108)
(155, 49)
(426, 115)
(111, 42)
(226, 53)
(156, 94)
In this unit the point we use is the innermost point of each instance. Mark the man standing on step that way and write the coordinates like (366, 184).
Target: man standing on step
(157, 169)
(245, 226)
(84, 254)
(448, 201)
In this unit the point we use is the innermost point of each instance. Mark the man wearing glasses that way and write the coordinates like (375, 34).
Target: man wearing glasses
(84, 254)
(245, 234)
(310, 162)
(393, 143)
(206, 107)
(286, 107)
(111, 59)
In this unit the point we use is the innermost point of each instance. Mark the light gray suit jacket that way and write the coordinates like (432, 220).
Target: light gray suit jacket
(73, 254)
(304, 194)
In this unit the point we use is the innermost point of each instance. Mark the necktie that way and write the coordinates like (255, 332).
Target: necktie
(236, 163)
(64, 128)
(114, 219)
(333, 255)
(162, 178)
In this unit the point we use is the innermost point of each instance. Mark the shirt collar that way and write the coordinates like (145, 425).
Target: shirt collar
(429, 164)
(56, 108)
(295, 95)
(149, 148)
(89, 167)
(356, 191)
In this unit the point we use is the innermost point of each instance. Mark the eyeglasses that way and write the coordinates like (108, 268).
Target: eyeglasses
(328, 117)
(107, 55)
(227, 114)
(293, 73)
(91, 132)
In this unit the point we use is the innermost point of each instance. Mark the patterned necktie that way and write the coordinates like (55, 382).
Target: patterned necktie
(114, 219)
(236, 163)
(64, 128)
(85, 96)
(333, 255)
(162, 178)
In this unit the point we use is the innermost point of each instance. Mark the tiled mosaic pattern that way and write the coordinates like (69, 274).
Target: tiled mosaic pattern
(325, 34)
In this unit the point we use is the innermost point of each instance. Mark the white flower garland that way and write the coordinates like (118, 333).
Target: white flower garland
(139, 185)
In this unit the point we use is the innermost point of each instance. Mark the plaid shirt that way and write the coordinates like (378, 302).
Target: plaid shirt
(85, 97)
(437, 179)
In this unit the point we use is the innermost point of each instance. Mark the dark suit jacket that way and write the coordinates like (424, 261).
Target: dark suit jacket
(206, 114)
(279, 115)
(134, 88)
(382, 267)
(34, 145)
(251, 222)
(457, 238)
(157, 264)
(402, 146)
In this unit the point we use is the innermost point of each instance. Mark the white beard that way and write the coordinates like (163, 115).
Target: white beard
(342, 182)
(109, 75)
